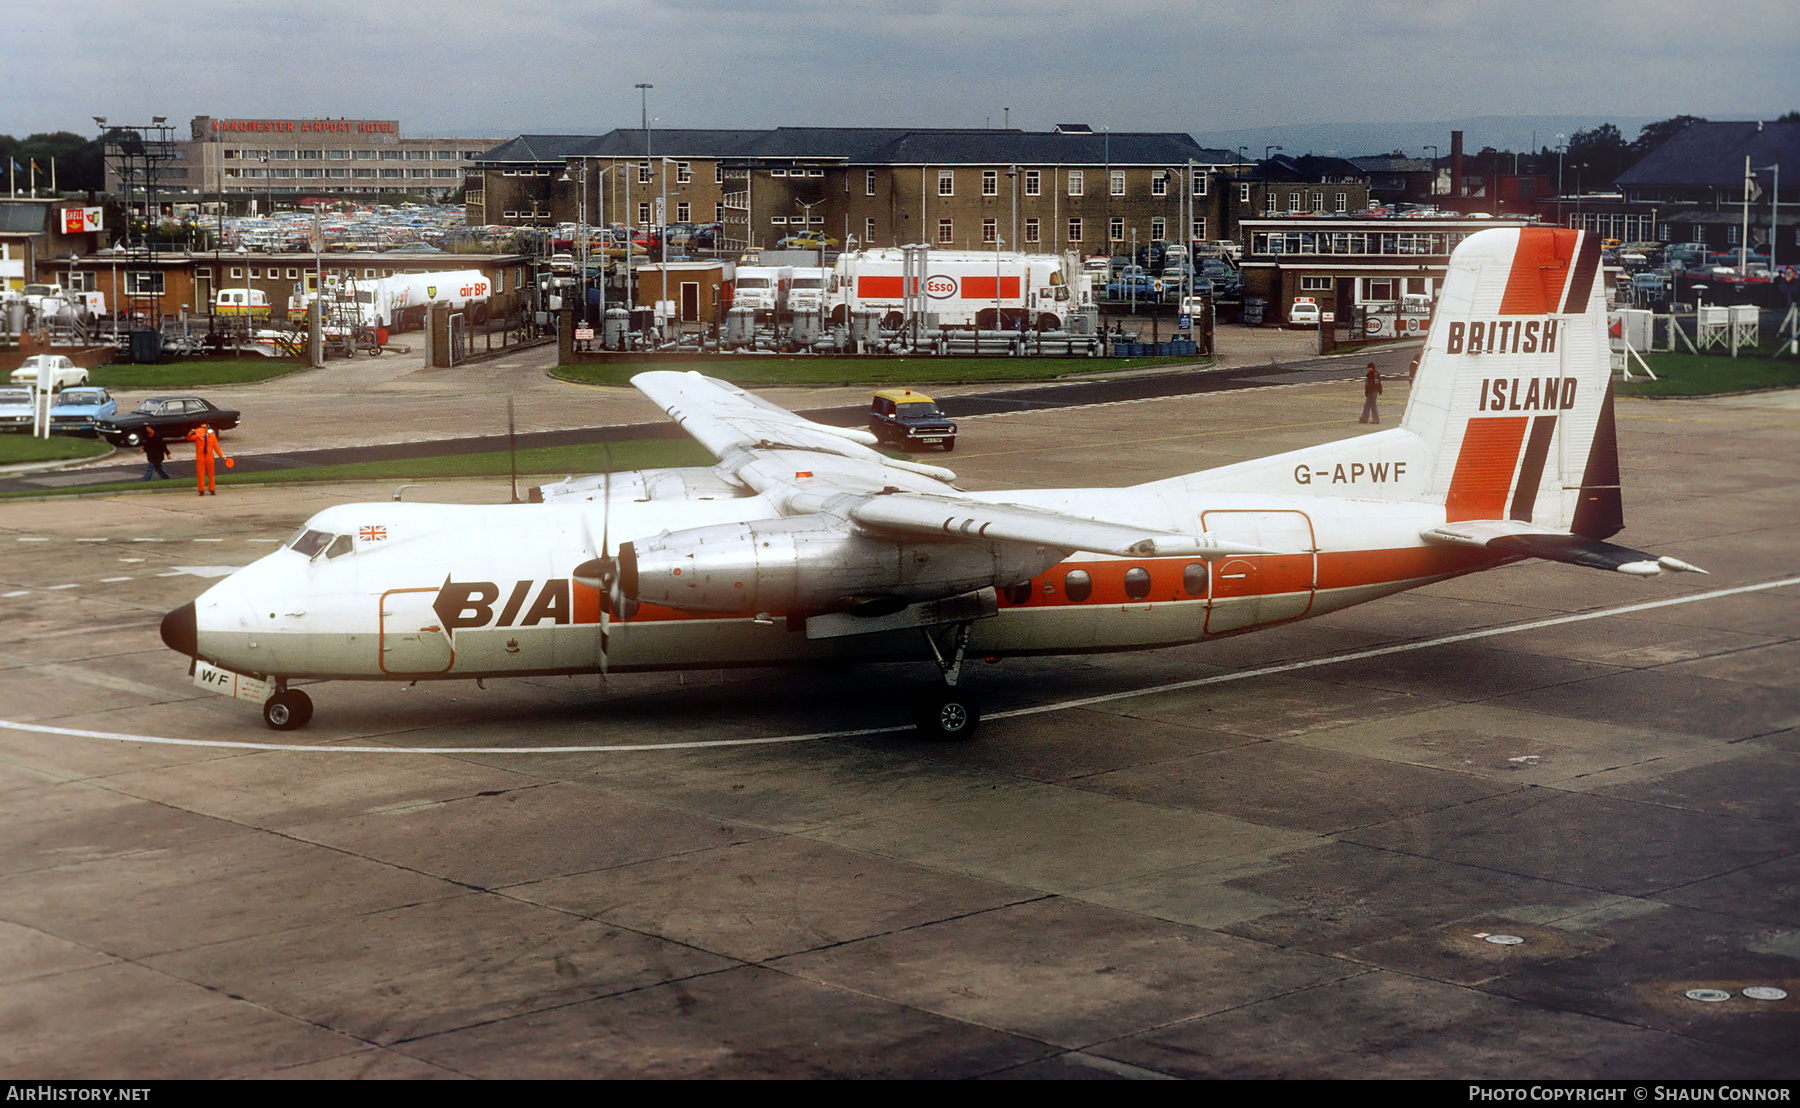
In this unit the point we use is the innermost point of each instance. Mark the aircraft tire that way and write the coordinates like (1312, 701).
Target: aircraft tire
(946, 714)
(288, 711)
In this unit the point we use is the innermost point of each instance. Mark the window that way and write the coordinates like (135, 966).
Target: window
(1199, 183)
(1698, 233)
(1193, 579)
(418, 172)
(337, 155)
(418, 155)
(393, 172)
(643, 173)
(946, 231)
(281, 155)
(1343, 202)
(444, 155)
(778, 173)
(1733, 234)
(1137, 583)
(1158, 230)
(309, 155)
(946, 183)
(1033, 182)
(778, 220)
(1074, 230)
(1318, 201)
(681, 212)
(281, 173)
(1159, 183)
(1116, 230)
(1031, 229)
(868, 182)
(390, 155)
(990, 182)
(1198, 231)
(293, 273)
(255, 273)
(1075, 182)
(1243, 194)
(1077, 585)
(1418, 286)
(228, 155)
(237, 273)
(144, 282)
(1378, 290)
(360, 172)
(989, 231)
(644, 214)
(365, 155)
(718, 173)
(1118, 182)
(869, 230)
(1315, 284)
(683, 173)
(1269, 202)
(1293, 201)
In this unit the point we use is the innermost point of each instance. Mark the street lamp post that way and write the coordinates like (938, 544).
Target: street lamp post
(1266, 149)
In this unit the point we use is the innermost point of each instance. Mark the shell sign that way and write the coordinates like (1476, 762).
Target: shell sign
(78, 221)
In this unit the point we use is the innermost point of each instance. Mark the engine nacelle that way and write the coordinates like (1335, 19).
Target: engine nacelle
(812, 564)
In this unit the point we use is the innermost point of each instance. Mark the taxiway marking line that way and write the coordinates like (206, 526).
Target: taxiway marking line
(1083, 702)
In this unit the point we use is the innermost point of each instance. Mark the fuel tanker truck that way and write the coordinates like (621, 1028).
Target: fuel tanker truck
(970, 289)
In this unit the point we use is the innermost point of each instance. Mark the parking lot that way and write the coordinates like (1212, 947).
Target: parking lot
(1291, 871)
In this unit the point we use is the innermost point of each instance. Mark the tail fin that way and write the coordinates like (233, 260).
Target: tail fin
(1513, 395)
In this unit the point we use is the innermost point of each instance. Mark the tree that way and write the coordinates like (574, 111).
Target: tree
(78, 160)
(1791, 117)
(1602, 153)
(1655, 134)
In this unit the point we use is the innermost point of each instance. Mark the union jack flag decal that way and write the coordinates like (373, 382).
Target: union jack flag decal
(372, 534)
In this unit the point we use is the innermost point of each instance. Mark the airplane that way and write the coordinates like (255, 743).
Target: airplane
(806, 544)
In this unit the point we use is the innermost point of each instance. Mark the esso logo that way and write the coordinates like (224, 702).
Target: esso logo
(940, 287)
(1372, 326)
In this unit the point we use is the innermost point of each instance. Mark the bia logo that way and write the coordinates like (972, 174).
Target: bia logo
(464, 605)
(939, 287)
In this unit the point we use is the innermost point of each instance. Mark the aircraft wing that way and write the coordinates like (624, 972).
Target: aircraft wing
(808, 467)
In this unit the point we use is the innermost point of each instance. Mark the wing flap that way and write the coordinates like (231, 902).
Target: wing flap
(974, 520)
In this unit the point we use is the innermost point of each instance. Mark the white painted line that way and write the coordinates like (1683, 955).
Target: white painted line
(149, 540)
(171, 573)
(53, 588)
(131, 559)
(1240, 675)
(31, 540)
(204, 571)
(93, 540)
(208, 540)
(110, 580)
(264, 540)
(17, 592)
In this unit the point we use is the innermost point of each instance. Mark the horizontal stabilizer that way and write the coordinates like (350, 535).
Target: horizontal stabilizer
(1505, 536)
(942, 517)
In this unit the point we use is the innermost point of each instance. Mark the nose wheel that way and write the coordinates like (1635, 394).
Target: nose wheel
(288, 710)
(947, 712)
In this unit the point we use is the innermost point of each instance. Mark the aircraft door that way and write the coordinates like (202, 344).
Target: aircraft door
(413, 639)
(1253, 589)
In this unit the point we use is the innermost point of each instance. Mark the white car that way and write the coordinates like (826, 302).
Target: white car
(63, 372)
(1304, 313)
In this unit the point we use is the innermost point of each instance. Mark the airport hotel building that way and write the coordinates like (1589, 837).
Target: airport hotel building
(286, 159)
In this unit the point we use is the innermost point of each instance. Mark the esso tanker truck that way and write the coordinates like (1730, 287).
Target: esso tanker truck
(966, 289)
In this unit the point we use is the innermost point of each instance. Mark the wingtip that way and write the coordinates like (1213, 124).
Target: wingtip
(1680, 566)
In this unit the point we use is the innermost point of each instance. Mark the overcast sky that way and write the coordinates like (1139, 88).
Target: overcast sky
(498, 69)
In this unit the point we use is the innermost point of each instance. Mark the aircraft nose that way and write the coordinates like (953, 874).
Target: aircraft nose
(179, 632)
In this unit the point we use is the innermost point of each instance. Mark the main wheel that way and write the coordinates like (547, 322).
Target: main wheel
(946, 714)
(288, 711)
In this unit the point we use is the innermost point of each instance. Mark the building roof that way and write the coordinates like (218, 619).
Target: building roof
(872, 145)
(1388, 163)
(1713, 154)
(1306, 168)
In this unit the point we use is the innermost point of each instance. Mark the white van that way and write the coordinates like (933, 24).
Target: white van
(241, 302)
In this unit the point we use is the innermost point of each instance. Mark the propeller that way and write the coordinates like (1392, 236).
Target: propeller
(601, 573)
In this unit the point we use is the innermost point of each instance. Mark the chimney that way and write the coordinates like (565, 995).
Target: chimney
(1456, 177)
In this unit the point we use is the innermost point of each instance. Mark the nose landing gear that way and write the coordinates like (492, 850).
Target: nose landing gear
(947, 712)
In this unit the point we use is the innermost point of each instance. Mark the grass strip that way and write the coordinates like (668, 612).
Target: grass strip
(192, 373)
(1710, 375)
(760, 370)
(18, 448)
(538, 462)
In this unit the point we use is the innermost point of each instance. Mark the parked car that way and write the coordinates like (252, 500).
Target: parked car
(910, 419)
(63, 372)
(1304, 313)
(79, 409)
(808, 240)
(1132, 282)
(15, 409)
(170, 416)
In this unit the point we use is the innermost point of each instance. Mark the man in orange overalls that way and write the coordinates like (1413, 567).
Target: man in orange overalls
(206, 448)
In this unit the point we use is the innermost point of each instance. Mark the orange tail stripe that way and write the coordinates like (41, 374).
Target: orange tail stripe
(1540, 271)
(1484, 468)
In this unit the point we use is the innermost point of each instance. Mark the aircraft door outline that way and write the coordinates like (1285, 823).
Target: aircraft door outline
(424, 644)
(1258, 589)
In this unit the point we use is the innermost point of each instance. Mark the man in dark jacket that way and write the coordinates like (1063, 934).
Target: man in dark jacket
(1371, 390)
(155, 450)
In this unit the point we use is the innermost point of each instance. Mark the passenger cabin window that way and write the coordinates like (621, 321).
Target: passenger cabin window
(1193, 579)
(1137, 583)
(309, 543)
(1078, 586)
(339, 547)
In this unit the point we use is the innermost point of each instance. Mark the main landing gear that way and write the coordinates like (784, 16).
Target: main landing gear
(946, 712)
(287, 710)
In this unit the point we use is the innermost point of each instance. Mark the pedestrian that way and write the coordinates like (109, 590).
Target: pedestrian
(206, 448)
(1371, 390)
(155, 450)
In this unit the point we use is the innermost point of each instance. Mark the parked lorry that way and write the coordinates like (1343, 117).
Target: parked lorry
(399, 302)
(965, 289)
(807, 290)
(763, 288)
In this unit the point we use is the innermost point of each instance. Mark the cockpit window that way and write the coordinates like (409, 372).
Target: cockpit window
(339, 547)
(309, 543)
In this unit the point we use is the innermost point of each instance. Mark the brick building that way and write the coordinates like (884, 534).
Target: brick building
(1284, 186)
(1070, 188)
